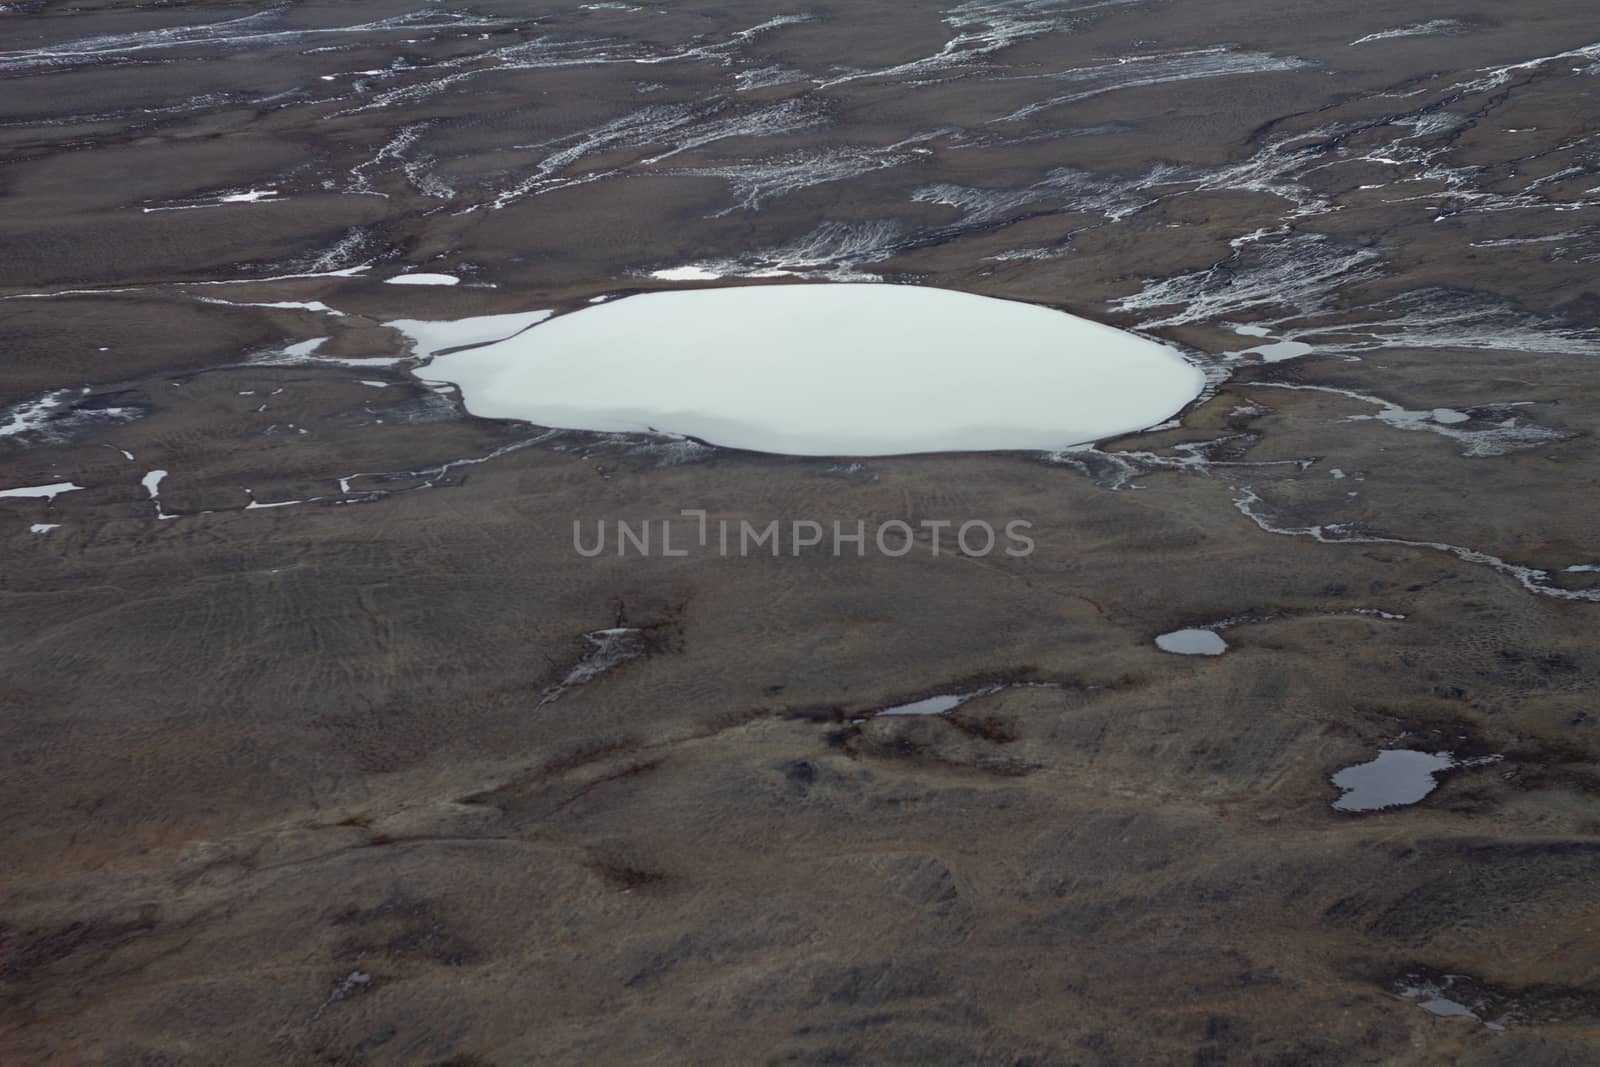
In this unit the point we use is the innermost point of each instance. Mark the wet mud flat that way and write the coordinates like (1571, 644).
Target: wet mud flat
(323, 745)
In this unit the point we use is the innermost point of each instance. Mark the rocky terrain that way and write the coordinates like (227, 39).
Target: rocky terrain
(322, 744)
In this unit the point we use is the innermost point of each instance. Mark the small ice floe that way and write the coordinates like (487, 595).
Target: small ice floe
(1272, 351)
(44, 527)
(1580, 568)
(1379, 613)
(1193, 642)
(937, 705)
(256, 505)
(948, 702)
(423, 278)
(1437, 1005)
(1278, 351)
(1449, 417)
(609, 648)
(316, 306)
(1396, 778)
(152, 485)
(48, 492)
(374, 384)
(821, 370)
(1336, 473)
(1431, 996)
(685, 274)
(305, 349)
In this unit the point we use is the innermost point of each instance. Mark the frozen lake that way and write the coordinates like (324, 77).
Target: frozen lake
(827, 370)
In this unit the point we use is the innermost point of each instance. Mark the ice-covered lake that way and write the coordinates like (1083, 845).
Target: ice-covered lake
(829, 370)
